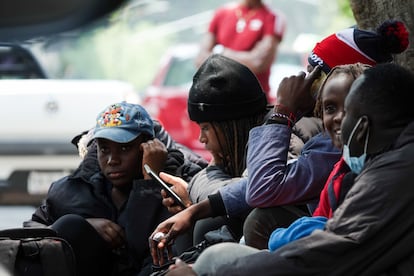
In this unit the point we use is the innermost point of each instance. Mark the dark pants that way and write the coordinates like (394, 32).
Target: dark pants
(261, 222)
(93, 256)
(203, 226)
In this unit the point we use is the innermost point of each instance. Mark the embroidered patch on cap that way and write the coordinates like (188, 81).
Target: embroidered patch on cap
(123, 122)
(113, 116)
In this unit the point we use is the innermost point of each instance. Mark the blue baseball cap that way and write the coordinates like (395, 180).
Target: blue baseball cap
(123, 122)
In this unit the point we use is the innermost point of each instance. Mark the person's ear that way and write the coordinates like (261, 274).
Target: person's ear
(362, 130)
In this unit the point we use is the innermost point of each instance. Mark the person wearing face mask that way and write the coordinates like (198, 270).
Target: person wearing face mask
(371, 232)
(355, 163)
(330, 107)
(277, 204)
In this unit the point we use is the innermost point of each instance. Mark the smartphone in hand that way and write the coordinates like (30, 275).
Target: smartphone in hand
(164, 185)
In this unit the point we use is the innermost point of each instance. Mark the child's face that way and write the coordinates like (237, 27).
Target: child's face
(120, 162)
(333, 98)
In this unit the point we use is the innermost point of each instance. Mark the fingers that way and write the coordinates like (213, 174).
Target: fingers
(154, 154)
(294, 92)
(179, 184)
(171, 227)
(117, 238)
(170, 204)
(179, 262)
(157, 242)
(164, 196)
(169, 251)
(173, 180)
(160, 248)
(301, 74)
(180, 188)
(154, 251)
(160, 253)
(154, 245)
(314, 74)
(154, 145)
(114, 234)
(180, 268)
(111, 232)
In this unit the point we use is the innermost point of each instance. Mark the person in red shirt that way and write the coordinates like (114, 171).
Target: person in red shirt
(248, 32)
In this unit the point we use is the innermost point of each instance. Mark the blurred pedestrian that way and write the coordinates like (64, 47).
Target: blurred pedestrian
(248, 32)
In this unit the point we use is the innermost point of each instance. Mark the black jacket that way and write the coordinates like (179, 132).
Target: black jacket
(371, 232)
(86, 192)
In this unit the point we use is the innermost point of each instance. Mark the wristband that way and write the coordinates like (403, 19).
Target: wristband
(277, 120)
(281, 118)
(283, 110)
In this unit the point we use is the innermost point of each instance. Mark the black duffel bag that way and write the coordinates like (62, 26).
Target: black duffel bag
(35, 252)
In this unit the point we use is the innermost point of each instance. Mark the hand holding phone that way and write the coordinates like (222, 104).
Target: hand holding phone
(164, 185)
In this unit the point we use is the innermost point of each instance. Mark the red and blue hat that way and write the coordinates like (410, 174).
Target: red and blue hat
(353, 45)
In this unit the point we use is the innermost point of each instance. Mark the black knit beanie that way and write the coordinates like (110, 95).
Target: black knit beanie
(223, 90)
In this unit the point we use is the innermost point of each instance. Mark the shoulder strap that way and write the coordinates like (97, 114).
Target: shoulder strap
(347, 183)
(331, 195)
(8, 253)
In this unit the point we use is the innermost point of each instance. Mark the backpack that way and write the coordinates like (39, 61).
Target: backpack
(35, 252)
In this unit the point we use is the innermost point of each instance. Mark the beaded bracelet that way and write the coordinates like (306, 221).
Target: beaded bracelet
(279, 108)
(277, 120)
(289, 120)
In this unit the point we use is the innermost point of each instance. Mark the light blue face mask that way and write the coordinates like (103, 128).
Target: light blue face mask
(355, 163)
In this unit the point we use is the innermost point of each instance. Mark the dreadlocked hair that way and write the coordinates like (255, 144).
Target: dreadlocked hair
(234, 146)
(354, 70)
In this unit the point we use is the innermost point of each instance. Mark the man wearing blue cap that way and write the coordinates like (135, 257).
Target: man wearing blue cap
(108, 214)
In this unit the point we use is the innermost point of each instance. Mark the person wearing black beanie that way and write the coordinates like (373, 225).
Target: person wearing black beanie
(227, 101)
(227, 95)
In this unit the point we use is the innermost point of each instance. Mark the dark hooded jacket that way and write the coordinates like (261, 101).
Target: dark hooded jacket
(87, 193)
(371, 232)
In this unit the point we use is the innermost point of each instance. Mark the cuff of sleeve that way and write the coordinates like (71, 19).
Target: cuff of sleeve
(218, 49)
(217, 205)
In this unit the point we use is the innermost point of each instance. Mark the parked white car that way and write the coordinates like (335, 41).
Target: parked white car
(40, 118)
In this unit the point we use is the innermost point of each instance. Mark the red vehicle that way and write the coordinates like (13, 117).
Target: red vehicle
(166, 98)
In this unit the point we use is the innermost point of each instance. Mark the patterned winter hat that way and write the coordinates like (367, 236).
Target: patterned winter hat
(353, 45)
(123, 122)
